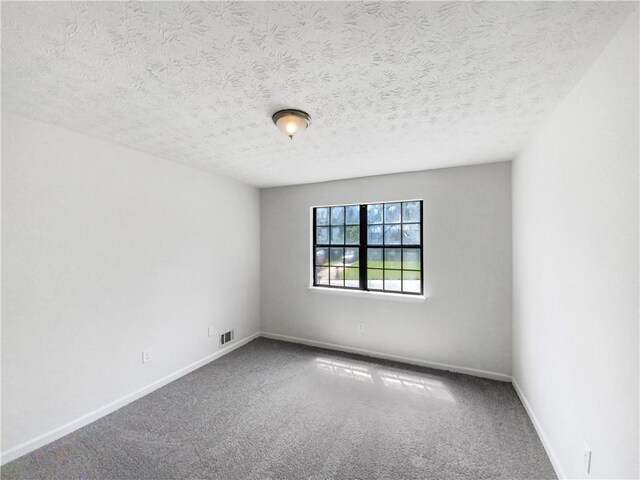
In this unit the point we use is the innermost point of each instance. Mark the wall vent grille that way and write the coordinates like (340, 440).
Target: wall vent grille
(226, 337)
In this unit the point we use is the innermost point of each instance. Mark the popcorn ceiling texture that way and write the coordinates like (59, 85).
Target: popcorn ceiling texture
(390, 87)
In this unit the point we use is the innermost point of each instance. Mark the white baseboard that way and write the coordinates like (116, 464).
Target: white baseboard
(61, 431)
(413, 361)
(543, 438)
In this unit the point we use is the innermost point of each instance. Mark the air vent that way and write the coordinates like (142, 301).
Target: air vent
(226, 337)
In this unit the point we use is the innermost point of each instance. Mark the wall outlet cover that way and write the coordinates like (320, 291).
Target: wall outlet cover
(586, 458)
(146, 355)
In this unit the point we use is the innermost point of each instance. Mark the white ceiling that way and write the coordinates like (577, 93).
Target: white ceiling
(390, 87)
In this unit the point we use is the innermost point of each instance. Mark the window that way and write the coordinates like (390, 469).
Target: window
(374, 247)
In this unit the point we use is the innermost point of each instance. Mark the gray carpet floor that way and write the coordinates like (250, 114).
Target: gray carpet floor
(275, 410)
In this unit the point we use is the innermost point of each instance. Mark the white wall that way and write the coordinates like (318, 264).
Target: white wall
(575, 209)
(107, 251)
(466, 319)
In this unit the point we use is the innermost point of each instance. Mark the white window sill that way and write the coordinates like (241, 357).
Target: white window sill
(397, 297)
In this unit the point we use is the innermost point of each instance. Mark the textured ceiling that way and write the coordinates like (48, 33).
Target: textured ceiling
(390, 87)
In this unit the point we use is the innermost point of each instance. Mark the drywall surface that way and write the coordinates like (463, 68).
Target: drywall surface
(106, 252)
(465, 321)
(575, 209)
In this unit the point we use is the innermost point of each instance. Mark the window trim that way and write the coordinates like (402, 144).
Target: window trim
(363, 247)
(373, 294)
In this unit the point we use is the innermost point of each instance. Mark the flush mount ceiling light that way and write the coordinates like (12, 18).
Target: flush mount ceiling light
(291, 122)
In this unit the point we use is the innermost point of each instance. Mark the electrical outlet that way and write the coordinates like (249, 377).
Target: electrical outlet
(211, 331)
(586, 458)
(360, 327)
(146, 355)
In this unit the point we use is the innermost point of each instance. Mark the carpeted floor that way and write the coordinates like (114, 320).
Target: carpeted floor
(275, 410)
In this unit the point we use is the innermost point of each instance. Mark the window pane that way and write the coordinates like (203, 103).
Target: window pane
(336, 276)
(411, 259)
(393, 258)
(392, 234)
(337, 215)
(392, 238)
(374, 213)
(411, 234)
(353, 235)
(392, 213)
(351, 256)
(375, 279)
(392, 280)
(322, 235)
(374, 235)
(374, 258)
(411, 282)
(322, 275)
(411, 212)
(337, 235)
(322, 216)
(322, 256)
(337, 254)
(352, 277)
(353, 215)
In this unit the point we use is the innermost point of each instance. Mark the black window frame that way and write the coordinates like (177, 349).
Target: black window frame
(363, 245)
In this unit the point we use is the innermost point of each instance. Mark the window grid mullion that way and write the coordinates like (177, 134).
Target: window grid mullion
(363, 244)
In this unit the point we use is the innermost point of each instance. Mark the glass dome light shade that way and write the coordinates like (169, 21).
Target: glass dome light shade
(291, 122)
